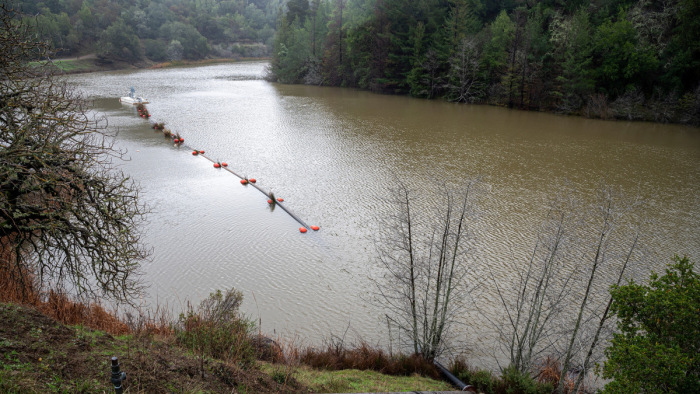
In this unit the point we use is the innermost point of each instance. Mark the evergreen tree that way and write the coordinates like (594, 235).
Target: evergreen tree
(618, 58)
(658, 341)
(120, 43)
(570, 57)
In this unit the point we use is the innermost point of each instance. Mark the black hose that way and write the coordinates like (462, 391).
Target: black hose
(453, 379)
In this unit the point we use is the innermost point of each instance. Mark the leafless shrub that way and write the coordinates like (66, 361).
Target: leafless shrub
(688, 108)
(463, 84)
(597, 106)
(629, 106)
(558, 306)
(422, 269)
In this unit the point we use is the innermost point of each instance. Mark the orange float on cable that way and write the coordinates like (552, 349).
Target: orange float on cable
(225, 164)
(280, 199)
(217, 165)
(201, 151)
(244, 182)
(251, 180)
(315, 228)
(195, 153)
(270, 202)
(302, 229)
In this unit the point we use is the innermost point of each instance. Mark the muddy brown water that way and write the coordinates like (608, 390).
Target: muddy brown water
(333, 155)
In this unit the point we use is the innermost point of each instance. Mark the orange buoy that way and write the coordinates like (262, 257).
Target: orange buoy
(244, 182)
(195, 153)
(224, 164)
(251, 180)
(270, 201)
(182, 140)
(217, 165)
(302, 229)
(201, 151)
(177, 141)
(280, 199)
(315, 228)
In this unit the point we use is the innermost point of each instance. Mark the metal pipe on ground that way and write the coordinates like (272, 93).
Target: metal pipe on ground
(453, 379)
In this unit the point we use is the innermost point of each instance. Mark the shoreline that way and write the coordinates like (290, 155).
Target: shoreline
(90, 63)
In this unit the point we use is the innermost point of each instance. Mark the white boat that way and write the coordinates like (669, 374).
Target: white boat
(132, 99)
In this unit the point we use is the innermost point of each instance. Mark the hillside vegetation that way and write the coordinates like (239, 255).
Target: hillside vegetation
(626, 59)
(158, 30)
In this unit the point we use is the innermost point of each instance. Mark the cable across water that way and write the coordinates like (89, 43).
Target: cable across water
(177, 140)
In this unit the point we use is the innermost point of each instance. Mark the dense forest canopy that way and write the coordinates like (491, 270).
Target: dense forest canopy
(627, 59)
(129, 30)
(630, 59)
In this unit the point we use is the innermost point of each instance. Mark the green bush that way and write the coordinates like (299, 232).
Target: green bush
(483, 381)
(515, 382)
(155, 50)
(658, 340)
(216, 329)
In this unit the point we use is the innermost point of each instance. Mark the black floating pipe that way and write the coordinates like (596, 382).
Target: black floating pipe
(279, 204)
(295, 217)
(453, 379)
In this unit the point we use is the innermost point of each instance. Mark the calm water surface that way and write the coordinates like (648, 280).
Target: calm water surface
(333, 154)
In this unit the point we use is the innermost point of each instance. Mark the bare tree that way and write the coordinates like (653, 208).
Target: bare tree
(560, 306)
(67, 217)
(463, 83)
(542, 291)
(423, 269)
(609, 255)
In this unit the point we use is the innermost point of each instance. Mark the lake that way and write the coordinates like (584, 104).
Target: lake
(334, 154)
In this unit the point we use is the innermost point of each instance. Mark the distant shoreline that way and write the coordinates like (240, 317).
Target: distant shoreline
(89, 63)
(185, 63)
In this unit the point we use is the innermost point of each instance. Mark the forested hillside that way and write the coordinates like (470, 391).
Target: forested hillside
(159, 30)
(628, 59)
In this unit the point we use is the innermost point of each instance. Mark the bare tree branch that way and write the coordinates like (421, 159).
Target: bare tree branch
(67, 216)
(422, 282)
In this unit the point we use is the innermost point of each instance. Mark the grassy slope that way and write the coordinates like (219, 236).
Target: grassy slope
(75, 65)
(38, 354)
(353, 380)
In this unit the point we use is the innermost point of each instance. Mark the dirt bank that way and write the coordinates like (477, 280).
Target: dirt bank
(42, 355)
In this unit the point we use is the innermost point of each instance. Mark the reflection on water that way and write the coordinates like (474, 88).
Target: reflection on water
(333, 154)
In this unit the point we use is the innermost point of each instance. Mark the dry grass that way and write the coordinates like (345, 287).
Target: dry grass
(60, 306)
(147, 323)
(549, 371)
(365, 357)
